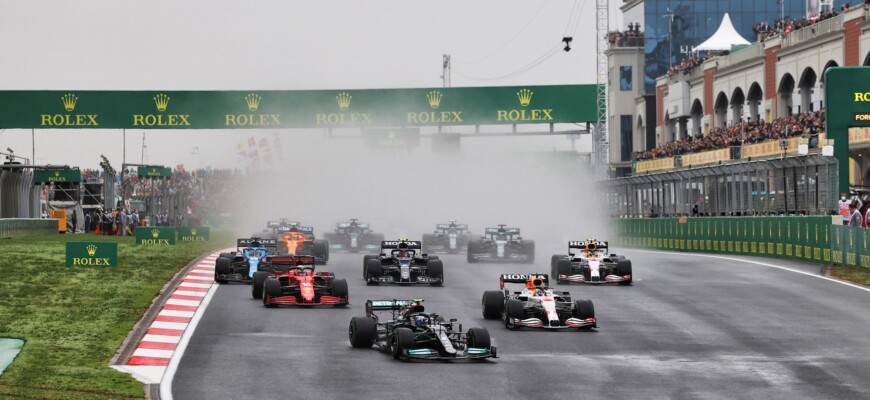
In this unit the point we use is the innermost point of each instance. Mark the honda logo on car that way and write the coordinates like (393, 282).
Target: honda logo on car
(398, 243)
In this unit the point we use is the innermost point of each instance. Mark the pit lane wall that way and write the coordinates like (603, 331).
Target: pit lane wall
(15, 227)
(805, 238)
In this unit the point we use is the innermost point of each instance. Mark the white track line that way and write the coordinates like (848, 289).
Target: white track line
(757, 263)
(169, 375)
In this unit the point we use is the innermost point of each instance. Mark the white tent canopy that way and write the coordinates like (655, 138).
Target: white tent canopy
(725, 37)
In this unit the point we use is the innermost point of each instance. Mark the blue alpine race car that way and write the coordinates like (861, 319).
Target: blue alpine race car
(252, 256)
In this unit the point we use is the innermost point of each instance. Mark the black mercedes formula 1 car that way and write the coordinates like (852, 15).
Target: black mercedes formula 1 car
(588, 262)
(402, 262)
(353, 236)
(501, 245)
(412, 333)
(448, 238)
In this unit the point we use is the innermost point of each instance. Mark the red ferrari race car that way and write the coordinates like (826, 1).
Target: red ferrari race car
(294, 283)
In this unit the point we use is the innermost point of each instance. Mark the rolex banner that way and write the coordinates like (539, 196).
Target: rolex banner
(83, 254)
(155, 236)
(193, 234)
(274, 109)
(60, 175)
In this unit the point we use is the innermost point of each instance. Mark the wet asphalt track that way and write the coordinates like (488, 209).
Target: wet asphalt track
(690, 327)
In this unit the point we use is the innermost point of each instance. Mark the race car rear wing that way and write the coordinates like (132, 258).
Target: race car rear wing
(294, 260)
(390, 305)
(597, 245)
(521, 278)
(509, 231)
(462, 227)
(303, 229)
(406, 244)
(269, 244)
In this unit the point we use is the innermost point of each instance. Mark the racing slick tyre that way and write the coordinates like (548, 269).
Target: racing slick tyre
(513, 309)
(271, 288)
(563, 267)
(362, 332)
(428, 239)
(373, 270)
(472, 248)
(493, 304)
(583, 309)
(436, 270)
(479, 338)
(366, 259)
(339, 289)
(623, 268)
(553, 261)
(401, 339)
(221, 267)
(227, 255)
(257, 284)
(321, 248)
(529, 249)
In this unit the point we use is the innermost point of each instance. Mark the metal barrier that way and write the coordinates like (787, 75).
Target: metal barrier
(789, 185)
(797, 238)
(16, 194)
(15, 227)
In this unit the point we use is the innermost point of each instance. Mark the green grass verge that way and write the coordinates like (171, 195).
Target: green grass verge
(73, 319)
(859, 275)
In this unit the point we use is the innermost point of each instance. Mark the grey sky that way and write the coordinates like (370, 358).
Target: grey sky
(217, 44)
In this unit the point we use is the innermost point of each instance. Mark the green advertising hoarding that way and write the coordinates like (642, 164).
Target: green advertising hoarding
(85, 254)
(847, 100)
(271, 109)
(193, 233)
(155, 235)
(805, 238)
(59, 175)
(154, 171)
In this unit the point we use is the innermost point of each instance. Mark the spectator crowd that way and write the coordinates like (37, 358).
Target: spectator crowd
(765, 30)
(632, 37)
(687, 65)
(804, 124)
(186, 198)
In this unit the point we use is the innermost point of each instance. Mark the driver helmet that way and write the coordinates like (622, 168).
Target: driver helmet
(421, 320)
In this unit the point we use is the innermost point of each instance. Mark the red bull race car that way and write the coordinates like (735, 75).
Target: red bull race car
(588, 262)
(537, 305)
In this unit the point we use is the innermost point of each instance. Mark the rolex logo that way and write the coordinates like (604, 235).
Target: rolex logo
(56, 173)
(92, 249)
(525, 96)
(193, 232)
(253, 101)
(343, 101)
(155, 233)
(434, 98)
(161, 101)
(69, 101)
